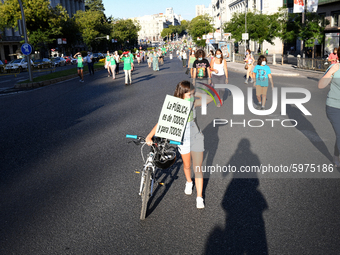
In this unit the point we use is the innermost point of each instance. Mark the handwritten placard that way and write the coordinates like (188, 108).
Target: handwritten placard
(173, 118)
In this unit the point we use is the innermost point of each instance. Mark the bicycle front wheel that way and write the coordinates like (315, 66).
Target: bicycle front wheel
(146, 193)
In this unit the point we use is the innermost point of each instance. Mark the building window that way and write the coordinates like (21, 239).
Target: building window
(336, 19)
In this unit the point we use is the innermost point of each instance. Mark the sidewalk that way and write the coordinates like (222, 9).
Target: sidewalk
(279, 70)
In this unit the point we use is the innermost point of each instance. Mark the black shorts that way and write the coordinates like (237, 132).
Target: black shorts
(80, 68)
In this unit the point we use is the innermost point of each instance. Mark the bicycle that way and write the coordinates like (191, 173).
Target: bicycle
(161, 155)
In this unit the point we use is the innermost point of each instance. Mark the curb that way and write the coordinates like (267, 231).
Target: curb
(30, 85)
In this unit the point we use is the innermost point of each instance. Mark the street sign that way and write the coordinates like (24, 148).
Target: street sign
(245, 36)
(26, 49)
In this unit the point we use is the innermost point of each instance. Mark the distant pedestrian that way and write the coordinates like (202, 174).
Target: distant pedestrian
(127, 67)
(80, 66)
(249, 59)
(211, 55)
(116, 56)
(155, 60)
(267, 52)
(184, 58)
(107, 63)
(138, 57)
(5, 61)
(89, 61)
(332, 77)
(191, 61)
(149, 58)
(113, 66)
(333, 57)
(262, 74)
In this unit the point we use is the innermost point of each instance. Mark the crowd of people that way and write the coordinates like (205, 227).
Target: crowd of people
(212, 69)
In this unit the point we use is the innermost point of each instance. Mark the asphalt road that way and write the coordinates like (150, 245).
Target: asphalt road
(68, 183)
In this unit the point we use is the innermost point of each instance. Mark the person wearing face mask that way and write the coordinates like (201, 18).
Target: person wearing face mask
(89, 61)
(249, 65)
(184, 58)
(219, 72)
(201, 68)
(333, 57)
(191, 61)
(192, 146)
(261, 74)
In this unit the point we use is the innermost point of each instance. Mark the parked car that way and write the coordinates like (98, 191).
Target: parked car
(42, 63)
(58, 61)
(67, 59)
(97, 57)
(17, 64)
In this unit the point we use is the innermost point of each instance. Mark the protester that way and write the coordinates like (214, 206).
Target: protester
(332, 77)
(89, 60)
(261, 74)
(116, 56)
(138, 57)
(127, 67)
(193, 143)
(107, 63)
(249, 65)
(113, 66)
(149, 58)
(184, 58)
(219, 72)
(154, 59)
(80, 66)
(191, 61)
(201, 67)
(333, 57)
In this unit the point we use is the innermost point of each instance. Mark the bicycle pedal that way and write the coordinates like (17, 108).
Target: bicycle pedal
(137, 172)
(161, 183)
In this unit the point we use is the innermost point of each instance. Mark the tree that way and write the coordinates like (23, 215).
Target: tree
(43, 22)
(261, 27)
(166, 31)
(126, 31)
(92, 24)
(199, 26)
(94, 5)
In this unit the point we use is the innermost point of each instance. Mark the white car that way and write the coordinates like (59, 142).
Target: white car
(17, 64)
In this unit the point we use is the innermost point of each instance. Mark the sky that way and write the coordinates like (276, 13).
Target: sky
(138, 8)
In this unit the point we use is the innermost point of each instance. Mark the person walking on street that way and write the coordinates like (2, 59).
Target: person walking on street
(131, 57)
(184, 58)
(219, 72)
(89, 61)
(80, 66)
(191, 61)
(261, 74)
(149, 58)
(113, 66)
(107, 63)
(333, 57)
(154, 59)
(138, 57)
(332, 78)
(267, 52)
(127, 67)
(116, 56)
(192, 148)
(249, 65)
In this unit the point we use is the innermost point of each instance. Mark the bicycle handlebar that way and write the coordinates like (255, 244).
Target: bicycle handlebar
(136, 137)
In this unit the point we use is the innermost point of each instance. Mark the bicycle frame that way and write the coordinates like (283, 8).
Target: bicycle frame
(149, 163)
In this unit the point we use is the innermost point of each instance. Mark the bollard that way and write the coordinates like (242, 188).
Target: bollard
(233, 56)
(274, 59)
(298, 60)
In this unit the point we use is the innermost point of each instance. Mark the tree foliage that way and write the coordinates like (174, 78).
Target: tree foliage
(126, 30)
(94, 5)
(199, 26)
(44, 23)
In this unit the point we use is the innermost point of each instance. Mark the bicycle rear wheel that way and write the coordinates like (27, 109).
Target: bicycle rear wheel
(146, 193)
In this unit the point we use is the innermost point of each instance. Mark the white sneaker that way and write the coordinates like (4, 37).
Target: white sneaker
(188, 188)
(246, 81)
(199, 203)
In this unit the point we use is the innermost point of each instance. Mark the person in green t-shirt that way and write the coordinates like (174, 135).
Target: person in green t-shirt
(107, 63)
(80, 66)
(127, 67)
(112, 66)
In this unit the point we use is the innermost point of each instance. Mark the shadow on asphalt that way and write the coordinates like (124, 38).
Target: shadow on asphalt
(244, 204)
(308, 130)
(167, 176)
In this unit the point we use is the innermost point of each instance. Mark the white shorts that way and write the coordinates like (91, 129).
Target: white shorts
(193, 139)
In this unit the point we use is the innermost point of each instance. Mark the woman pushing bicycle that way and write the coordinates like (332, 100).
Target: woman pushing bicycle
(193, 142)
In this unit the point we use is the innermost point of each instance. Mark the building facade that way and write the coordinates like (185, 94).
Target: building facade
(152, 25)
(10, 38)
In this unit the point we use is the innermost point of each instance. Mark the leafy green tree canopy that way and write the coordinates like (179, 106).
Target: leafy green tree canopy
(124, 30)
(199, 26)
